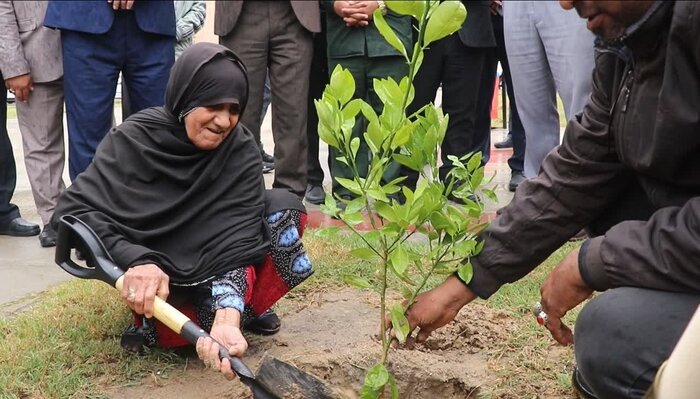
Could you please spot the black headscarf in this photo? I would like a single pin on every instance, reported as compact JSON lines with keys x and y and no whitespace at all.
{"x":152,"y":196}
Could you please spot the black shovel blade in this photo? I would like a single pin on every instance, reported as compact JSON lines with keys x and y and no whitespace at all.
{"x":283,"y":379}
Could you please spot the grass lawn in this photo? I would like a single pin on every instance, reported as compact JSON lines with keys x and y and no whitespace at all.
{"x":67,"y":345}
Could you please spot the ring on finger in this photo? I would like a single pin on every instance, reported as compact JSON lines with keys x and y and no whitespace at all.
{"x":540,"y":314}
{"x":131,"y":296}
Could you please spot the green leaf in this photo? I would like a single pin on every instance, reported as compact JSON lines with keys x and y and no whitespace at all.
{"x":342,"y":84}
{"x":377,"y":377}
{"x":388,"y":33}
{"x":327,"y":231}
{"x":357,"y":281}
{"x":354,"y":146}
{"x":474,"y":161}
{"x":394,"y":387}
{"x":364,"y":253}
{"x":403,"y":7}
{"x":354,"y":206}
{"x":385,"y":211}
{"x":465,"y":272}
{"x":399,"y":260}
{"x":351,"y":185}
{"x":377,"y":194}
{"x":445,"y":20}
{"x":399,"y":323}
{"x":389,"y":92}
{"x":353,"y":219}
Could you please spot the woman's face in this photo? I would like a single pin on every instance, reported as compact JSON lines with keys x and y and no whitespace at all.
{"x":208,"y":127}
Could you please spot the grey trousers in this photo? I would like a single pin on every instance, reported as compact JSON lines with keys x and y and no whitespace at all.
{"x":550,"y":51}
{"x":269,"y":36}
{"x":41,"y":125}
{"x":623,"y":336}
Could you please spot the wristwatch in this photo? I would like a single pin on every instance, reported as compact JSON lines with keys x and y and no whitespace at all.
{"x":382,"y":6}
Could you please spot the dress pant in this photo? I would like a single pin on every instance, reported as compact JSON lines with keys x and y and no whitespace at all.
{"x":268,"y":36}
{"x":318,"y":79}
{"x":91,"y":65}
{"x":459,"y":69}
{"x":8,"y":173}
{"x":364,"y":70}
{"x":623,"y":336}
{"x":41,"y":125}
{"x":550,"y":51}
{"x":483,"y":120}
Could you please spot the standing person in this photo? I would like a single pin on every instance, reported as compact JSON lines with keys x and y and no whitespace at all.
{"x":275,"y":36}
{"x":549,"y":51}
{"x":189,"y":19}
{"x":11,"y":223}
{"x":457,"y":62}
{"x":627,"y":169}
{"x":30,"y":60}
{"x":355,"y":43}
{"x":318,"y":79}
{"x":136,"y":38}
{"x":516,"y":133}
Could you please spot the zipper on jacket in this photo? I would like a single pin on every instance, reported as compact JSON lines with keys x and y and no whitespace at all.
{"x":629,"y":80}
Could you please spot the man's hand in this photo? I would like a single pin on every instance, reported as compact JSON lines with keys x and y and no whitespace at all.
{"x":495,"y":5}
{"x":437,"y":307}
{"x":355,"y":13}
{"x":225,"y":330}
{"x":563,"y":290}
{"x":121,"y":4}
{"x":21,"y":86}
{"x":141,"y":285}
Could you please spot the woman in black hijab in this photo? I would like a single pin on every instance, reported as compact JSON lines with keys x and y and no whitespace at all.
{"x":177,"y":197}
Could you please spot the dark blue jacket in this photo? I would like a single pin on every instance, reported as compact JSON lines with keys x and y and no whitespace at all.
{"x":96,"y":16}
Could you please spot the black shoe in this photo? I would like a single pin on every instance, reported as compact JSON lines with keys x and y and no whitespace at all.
{"x":268,"y":161}
{"x":505,"y":143}
{"x":19,"y":228}
{"x":267,"y":323}
{"x":47,"y":238}
{"x":315,"y":194}
{"x":515,"y":179}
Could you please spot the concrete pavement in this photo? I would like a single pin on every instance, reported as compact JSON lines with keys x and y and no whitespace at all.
{"x":26,"y":268}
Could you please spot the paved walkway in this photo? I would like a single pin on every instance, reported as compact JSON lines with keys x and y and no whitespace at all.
{"x":26,"y":268}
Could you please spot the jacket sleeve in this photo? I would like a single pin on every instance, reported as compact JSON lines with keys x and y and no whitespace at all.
{"x":576,"y":180}
{"x":12,"y":60}
{"x":192,"y":21}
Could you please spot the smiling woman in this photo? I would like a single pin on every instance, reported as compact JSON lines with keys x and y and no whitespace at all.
{"x":177,"y":197}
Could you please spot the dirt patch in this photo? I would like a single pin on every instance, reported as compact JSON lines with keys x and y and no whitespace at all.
{"x":333,"y":338}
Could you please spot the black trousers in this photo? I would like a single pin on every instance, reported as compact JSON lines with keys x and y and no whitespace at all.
{"x":459,"y":68}
{"x":318,"y":80}
{"x":8,"y":173}
{"x":623,"y":336}
{"x":483,"y":119}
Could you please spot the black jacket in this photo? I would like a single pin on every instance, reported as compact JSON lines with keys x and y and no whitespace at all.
{"x":641,"y":122}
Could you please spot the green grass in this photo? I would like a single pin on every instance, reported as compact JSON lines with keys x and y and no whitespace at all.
{"x":67,"y":344}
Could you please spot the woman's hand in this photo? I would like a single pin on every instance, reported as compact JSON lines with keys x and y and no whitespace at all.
{"x":141,"y":285}
{"x":225,"y":330}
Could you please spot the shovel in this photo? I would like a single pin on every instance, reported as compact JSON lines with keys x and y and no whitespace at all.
{"x":277,"y":378}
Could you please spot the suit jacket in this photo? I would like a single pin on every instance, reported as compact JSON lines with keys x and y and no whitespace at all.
{"x":26,"y":46}
{"x":96,"y":16}
{"x":477,"y":31}
{"x":227,"y":13}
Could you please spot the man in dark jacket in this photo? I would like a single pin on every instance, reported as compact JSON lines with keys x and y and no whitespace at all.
{"x":629,"y":170}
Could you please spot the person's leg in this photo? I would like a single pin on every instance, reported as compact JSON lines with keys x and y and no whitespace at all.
{"x":8,"y":173}
{"x":249,"y":39}
{"x":533,"y":84}
{"x":623,"y":336}
{"x":318,"y":78}
{"x":91,"y":66}
{"x":149,"y":58}
{"x":569,"y":48}
{"x":481,"y":141}
{"x":291,"y":51}
{"x":41,"y":124}
{"x":516,"y":131}
{"x":460,"y":93}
